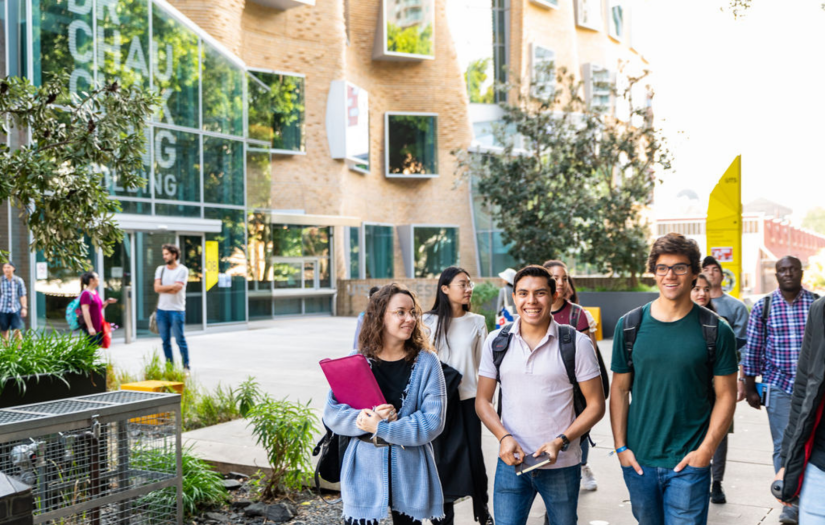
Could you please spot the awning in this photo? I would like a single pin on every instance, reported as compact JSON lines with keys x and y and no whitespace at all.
{"x":311,"y":220}
{"x":128,"y":221}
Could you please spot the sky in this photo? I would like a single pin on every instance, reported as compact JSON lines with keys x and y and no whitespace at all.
{"x":749,"y":86}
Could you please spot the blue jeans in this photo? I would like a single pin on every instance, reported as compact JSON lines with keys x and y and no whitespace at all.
{"x":171,"y":323}
{"x":663,"y":496}
{"x":513,"y":494}
{"x":811,"y":503}
{"x":779,"y":410}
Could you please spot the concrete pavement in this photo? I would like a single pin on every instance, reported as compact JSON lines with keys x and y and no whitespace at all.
{"x":283,"y":355}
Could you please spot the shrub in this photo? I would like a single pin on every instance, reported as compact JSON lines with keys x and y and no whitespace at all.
{"x":248,"y":395}
{"x":484,"y":294}
{"x":286,"y":430}
{"x":46,"y":354}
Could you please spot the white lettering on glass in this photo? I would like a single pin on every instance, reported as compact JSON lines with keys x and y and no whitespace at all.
{"x":74,"y":27}
{"x":166,"y":156}
{"x":103,"y":47}
{"x":136,"y":61}
{"x":80,"y":9}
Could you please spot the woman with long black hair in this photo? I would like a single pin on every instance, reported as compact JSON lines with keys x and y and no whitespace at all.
{"x":458,"y":336}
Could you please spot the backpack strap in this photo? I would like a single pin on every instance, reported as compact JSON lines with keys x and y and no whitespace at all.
{"x":575,"y":314}
{"x":567,"y":346}
{"x":630,"y":327}
{"x":710,"y":330}
{"x":500,"y":345}
{"x":766,"y":312}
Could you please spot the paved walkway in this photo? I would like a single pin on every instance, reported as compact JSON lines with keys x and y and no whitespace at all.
{"x":283,"y":355}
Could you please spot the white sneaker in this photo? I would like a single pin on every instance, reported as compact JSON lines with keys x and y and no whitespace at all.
{"x":588,"y":481}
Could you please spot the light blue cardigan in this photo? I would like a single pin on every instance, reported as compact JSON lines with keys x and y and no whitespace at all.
{"x":416,"y":489}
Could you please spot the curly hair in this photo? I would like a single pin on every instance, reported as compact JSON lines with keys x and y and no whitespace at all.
{"x":675,"y":244}
{"x":371,"y":339}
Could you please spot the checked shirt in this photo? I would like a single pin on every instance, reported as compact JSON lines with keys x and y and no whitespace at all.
{"x":775,"y":358}
{"x":10,"y":293}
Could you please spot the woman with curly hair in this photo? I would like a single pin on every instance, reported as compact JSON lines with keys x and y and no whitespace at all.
{"x":389,"y":463}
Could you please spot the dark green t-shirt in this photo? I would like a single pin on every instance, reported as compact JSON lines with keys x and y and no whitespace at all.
{"x":670,"y":406}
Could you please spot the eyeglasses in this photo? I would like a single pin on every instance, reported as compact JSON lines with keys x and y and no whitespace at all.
{"x":678,"y":269}
{"x":469,"y":285}
{"x":402,"y":315}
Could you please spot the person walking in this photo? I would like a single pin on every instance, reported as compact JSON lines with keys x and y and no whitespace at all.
{"x":92,"y":307}
{"x":803,"y":475}
{"x":389,"y":460}
{"x":505,"y":309}
{"x":170,"y":285}
{"x":569,"y":312}
{"x":537,"y":414}
{"x":458,"y":336}
{"x":13,"y":302}
{"x":775,"y":331}
{"x":679,"y":360}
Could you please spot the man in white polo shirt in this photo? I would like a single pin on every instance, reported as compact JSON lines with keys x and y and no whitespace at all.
{"x":538,"y":416}
{"x":170,"y":285}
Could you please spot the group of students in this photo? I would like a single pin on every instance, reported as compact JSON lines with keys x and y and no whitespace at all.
{"x":439,"y":372}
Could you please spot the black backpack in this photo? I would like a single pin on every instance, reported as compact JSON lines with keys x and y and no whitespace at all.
{"x":710,"y":328}
{"x":567,"y":346}
{"x":332,"y":448}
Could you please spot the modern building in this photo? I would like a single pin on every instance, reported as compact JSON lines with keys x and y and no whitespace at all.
{"x":300,"y":145}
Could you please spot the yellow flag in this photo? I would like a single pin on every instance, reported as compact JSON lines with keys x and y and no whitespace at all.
{"x":724,"y":226}
{"x":211,"y":264}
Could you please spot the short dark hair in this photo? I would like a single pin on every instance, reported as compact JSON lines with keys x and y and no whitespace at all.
{"x":675,"y":244}
{"x":10,"y":264}
{"x":710,"y":260}
{"x":173,"y":249}
{"x":534,"y":270}
{"x":374,"y":290}
{"x":793,"y":258}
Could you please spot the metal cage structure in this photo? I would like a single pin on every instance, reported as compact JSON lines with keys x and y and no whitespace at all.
{"x":103,"y":459}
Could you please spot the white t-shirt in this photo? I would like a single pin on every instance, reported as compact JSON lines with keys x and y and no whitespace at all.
{"x":175,"y":302}
{"x":466,"y":341}
{"x":537,"y":399}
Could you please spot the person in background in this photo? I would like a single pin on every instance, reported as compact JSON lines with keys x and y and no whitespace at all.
{"x":361,"y":318}
{"x":13,"y":302}
{"x":170,"y":285}
{"x":458,"y":336}
{"x":389,"y":462}
{"x":505,"y":303}
{"x":92,"y":307}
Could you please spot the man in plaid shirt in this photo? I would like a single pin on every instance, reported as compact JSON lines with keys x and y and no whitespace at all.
{"x":773,"y":350}
{"x":12,"y":302}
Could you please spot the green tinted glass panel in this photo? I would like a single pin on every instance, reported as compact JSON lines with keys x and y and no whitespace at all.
{"x":277,"y":110}
{"x":177,"y":210}
{"x":259,"y":246}
{"x":113,"y":181}
{"x":177,"y":165}
{"x":410,"y":26}
{"x":287,"y":240}
{"x":223,"y":171}
{"x":122,"y":42}
{"x":63,"y":40}
{"x":258,"y":179}
{"x":138,"y":208}
{"x":317,"y":305}
{"x":222,"y":93}
{"x":315,"y":241}
{"x":435,"y":250}
{"x":176,"y":75}
{"x":287,"y":306}
{"x":412,"y":144}
{"x":354,"y":253}
{"x":288,"y":275}
{"x":378,"y":252}
{"x":226,"y":301}
{"x":259,"y":109}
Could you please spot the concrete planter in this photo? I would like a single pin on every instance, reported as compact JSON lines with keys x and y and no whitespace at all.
{"x":614,"y":305}
{"x":51,"y":388}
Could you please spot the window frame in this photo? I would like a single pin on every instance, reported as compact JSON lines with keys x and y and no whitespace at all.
{"x":250,"y":71}
{"x":363,"y":254}
{"x":380,"y":49}
{"x":534,"y":63}
{"x":596,"y":25}
{"x":387,"y":173}
{"x":611,"y":29}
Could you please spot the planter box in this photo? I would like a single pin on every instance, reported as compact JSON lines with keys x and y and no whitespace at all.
{"x":50,"y":388}
{"x":614,"y":305}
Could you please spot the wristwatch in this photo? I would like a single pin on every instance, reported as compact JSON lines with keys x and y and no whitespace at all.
{"x":565,"y":442}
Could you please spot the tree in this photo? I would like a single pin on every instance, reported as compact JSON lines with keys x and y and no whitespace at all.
{"x":578,"y":184}
{"x":815,"y":220}
{"x":56,"y":180}
{"x":475,"y":77}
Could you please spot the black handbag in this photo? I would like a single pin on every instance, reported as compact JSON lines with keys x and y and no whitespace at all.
{"x":331,"y":447}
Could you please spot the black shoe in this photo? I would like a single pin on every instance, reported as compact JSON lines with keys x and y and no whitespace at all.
{"x":717,"y":495}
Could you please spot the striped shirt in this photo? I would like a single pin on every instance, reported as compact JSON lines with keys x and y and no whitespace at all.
{"x":11,"y":290}
{"x":775,"y":358}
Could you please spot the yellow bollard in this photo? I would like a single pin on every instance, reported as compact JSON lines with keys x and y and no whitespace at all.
{"x":596,"y":312}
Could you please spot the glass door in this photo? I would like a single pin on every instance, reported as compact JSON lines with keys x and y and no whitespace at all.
{"x":148,"y":256}
{"x":191,"y":247}
{"x":117,"y":274}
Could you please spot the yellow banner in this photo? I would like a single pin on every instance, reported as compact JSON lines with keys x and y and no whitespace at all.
{"x":724,"y":226}
{"x":211,"y":264}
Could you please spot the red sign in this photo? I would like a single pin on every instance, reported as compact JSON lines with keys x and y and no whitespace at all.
{"x":724,"y":254}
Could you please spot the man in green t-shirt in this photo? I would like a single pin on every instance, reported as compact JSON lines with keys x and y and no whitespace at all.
{"x":666,"y":437}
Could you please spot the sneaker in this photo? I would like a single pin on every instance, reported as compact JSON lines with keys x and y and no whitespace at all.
{"x":186,"y":371}
{"x":588,"y":480}
{"x":789,"y":515}
{"x":717,"y":495}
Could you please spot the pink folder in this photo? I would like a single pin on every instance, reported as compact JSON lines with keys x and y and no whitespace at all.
{"x":352,"y":381}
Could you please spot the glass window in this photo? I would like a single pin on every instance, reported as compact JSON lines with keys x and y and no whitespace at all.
{"x":409,"y":28}
{"x":315,"y":241}
{"x":354,"y":239}
{"x":317,"y":305}
{"x":260,"y":307}
{"x":288,"y":307}
{"x":112,"y":180}
{"x":434,"y":249}
{"x":501,"y":45}
{"x":177,"y":165}
{"x":471,"y":25}
{"x":277,"y":111}
{"x":259,"y":248}
{"x":589,"y":14}
{"x":379,"y":252}
{"x":258,"y":179}
{"x":226,"y":301}
{"x":63,"y":40}
{"x":177,"y":210}
{"x":543,"y":72}
{"x":176,"y":74}
{"x":122,"y":41}
{"x":60,"y":286}
{"x":223,"y":171}
{"x":287,"y":240}
{"x":222,"y":93}
{"x":616,"y":20}
{"x":412,"y":145}
{"x":288,"y":275}
{"x":136,"y":207}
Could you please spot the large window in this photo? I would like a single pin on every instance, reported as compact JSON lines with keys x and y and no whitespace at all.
{"x":501,"y":45}
{"x":277,"y":111}
{"x":226,"y":299}
{"x":543,"y":72}
{"x":616,"y":23}
{"x":597,"y":87}
{"x":589,"y":14}
{"x":471,"y":26}
{"x":222,"y":92}
{"x":435,"y":249}
{"x":379,"y":251}
{"x":493,"y":255}
{"x":258,"y":179}
{"x":177,"y":166}
{"x":176,"y":73}
{"x":223,"y":172}
{"x":411,"y":144}
{"x":408,"y":30}
{"x":301,"y":256}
